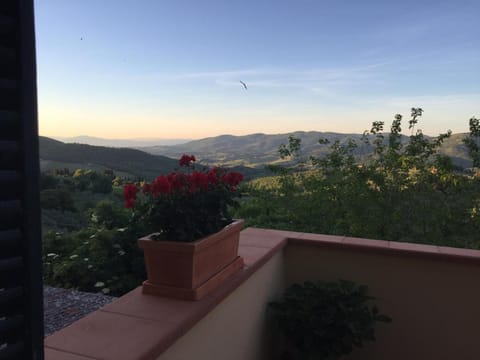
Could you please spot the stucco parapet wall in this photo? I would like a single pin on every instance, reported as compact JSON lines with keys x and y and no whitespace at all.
{"x":138,"y":326}
{"x":395,"y":248}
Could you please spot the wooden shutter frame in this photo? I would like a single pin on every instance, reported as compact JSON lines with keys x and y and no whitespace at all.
{"x":32,"y":250}
{"x":28,"y":236}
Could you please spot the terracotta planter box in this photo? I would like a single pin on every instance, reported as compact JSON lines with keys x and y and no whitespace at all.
{"x":191,"y":270}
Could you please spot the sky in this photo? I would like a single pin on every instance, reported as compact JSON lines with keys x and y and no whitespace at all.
{"x":172,"y":69}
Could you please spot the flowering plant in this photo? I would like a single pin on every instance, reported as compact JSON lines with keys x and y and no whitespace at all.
{"x":186,"y":204}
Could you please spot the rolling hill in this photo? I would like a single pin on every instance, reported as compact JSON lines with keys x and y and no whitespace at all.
{"x":255,"y":150}
{"x":247,"y":150}
{"x":123,"y":161}
{"x":247,"y":154}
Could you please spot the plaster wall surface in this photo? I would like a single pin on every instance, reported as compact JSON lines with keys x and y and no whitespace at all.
{"x":236,"y":328}
{"x":434,"y":303}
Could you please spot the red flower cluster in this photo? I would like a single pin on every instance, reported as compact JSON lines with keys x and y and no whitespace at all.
{"x":161,"y":185}
{"x":130,"y":195}
{"x":191,"y":183}
{"x":185,"y":160}
{"x":232,"y":179}
{"x":184,"y":184}
{"x":186,"y":204}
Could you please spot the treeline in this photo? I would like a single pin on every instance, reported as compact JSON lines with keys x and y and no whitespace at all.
{"x":132,"y":161}
{"x":405,"y":191}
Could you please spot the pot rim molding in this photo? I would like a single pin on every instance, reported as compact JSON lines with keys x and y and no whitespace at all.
{"x":194,"y":246}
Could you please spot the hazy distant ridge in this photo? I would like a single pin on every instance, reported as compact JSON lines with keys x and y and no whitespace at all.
{"x":253,"y":150}
{"x":257,"y":149}
{"x":246,"y":149}
{"x":131,"y":143}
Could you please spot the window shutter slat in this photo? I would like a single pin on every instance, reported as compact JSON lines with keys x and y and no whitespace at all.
{"x":9,"y":295}
{"x":10,"y":325}
{"x":9,"y":243}
{"x":12,"y":351}
{"x":9,"y":154}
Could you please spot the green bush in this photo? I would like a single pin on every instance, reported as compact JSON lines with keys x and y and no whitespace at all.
{"x":102,"y":257}
{"x":406,"y":191}
{"x":324,"y":320}
{"x":60,"y":199}
{"x":94,"y":260}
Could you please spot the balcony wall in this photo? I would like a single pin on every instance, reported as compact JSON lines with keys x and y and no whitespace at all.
{"x":433,"y":298}
{"x":431,"y":293}
{"x":236,"y":328}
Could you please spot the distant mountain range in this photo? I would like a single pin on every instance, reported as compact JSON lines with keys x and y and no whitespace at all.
{"x":258,"y":149}
{"x":247,"y":154}
{"x":122,"y":143}
{"x":125,"y":162}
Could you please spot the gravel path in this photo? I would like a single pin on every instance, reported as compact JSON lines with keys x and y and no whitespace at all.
{"x":63,"y":306}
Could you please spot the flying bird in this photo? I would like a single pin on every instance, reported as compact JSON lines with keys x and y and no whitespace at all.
{"x":244,"y":85}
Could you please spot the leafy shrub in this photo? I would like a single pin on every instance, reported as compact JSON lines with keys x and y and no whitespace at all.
{"x":60,"y":199}
{"x":405,"y":191}
{"x":94,"y":260}
{"x":102,"y":256}
{"x":325,"y":320}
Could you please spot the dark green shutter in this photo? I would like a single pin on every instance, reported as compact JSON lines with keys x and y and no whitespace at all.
{"x":21,"y":305}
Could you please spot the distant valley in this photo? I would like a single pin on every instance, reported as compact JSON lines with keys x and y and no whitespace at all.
{"x":258,"y":149}
{"x":247,"y":154}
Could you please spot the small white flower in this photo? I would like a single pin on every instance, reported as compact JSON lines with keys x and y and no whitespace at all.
{"x":99,"y":284}
{"x":74,"y":256}
{"x":121,"y":253}
{"x":90,"y":266}
{"x":85,"y":259}
{"x":51,"y":254}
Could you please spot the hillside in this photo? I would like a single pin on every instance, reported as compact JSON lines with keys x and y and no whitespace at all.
{"x":258,"y":149}
{"x":247,"y":150}
{"x":123,"y":161}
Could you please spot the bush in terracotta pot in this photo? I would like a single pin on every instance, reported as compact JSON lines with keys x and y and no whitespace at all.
{"x":186,"y":204}
{"x":193,"y":239}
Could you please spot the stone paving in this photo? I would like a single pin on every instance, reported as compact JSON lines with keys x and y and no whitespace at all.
{"x":64,"y":306}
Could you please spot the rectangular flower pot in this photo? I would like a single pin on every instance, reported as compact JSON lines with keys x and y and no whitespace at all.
{"x":191,"y":270}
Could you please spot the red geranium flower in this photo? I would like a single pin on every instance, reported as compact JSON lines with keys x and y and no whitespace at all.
{"x":177,"y":180}
{"x":185,"y":160}
{"x":213,"y":176}
{"x":161,"y":185}
{"x":130,"y":195}
{"x":146,"y":188}
{"x":198,"y":180}
{"x":232,"y":178}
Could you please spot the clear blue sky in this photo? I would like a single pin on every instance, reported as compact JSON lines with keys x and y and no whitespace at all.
{"x":171,"y":69}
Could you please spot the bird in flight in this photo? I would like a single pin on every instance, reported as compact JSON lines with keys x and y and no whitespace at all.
{"x":244,"y":85}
